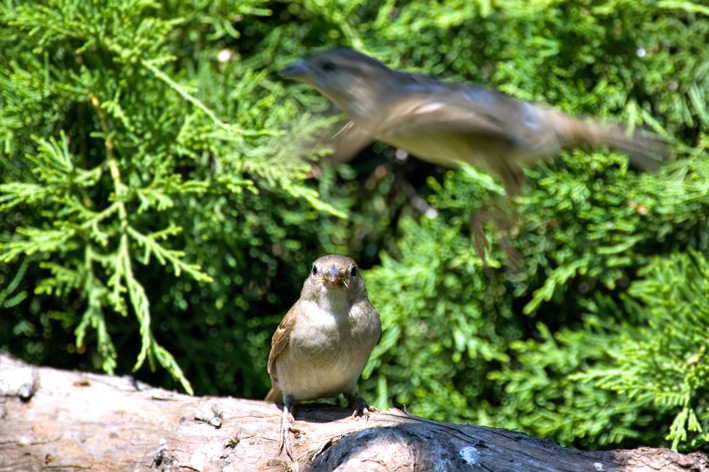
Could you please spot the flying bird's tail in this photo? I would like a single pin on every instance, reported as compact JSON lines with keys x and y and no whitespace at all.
{"x":644,"y":150}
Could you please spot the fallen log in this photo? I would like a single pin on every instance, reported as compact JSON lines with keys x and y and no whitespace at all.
{"x":69,"y":421}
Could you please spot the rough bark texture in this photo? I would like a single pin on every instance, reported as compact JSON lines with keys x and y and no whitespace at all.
{"x":66,"y":421}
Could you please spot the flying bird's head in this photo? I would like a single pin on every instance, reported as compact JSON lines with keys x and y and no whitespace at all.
{"x":351,"y":80}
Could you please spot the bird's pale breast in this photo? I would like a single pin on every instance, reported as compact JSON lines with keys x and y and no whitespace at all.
{"x":327,"y":351}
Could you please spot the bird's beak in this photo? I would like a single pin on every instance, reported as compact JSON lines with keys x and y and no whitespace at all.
{"x":333,"y":273}
{"x":332,"y":277}
{"x":297,"y":71}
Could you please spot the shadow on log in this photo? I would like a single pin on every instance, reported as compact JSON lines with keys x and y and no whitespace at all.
{"x":70,"y":421}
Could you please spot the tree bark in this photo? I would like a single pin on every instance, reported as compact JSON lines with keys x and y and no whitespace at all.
{"x":70,"y":421}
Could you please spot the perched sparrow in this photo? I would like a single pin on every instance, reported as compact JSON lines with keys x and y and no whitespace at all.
{"x":323,"y":343}
{"x":448,"y":123}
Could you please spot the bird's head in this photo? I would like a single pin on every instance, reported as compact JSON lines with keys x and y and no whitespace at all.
{"x":351,"y":80}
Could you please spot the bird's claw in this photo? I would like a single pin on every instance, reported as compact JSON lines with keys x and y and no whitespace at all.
{"x":360,"y":407}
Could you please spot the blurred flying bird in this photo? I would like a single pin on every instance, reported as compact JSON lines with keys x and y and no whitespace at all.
{"x":449,"y":123}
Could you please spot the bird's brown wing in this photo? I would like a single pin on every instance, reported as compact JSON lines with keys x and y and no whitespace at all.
{"x":446,"y":127}
{"x":442,"y":107}
{"x":380,"y":329}
{"x":530,"y":130}
{"x":349,"y":141}
{"x":280,"y":340}
{"x":481,"y":114}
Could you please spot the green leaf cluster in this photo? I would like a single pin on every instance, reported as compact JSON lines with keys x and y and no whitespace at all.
{"x":161,"y":201}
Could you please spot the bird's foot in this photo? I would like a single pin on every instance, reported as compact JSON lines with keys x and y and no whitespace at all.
{"x":287,"y":420}
{"x":360,"y":407}
{"x":477,"y":232}
{"x":503,"y":214}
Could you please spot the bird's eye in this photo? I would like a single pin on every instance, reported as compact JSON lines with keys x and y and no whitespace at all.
{"x":353,"y":271}
{"x":327,"y":65}
{"x":314,"y":272}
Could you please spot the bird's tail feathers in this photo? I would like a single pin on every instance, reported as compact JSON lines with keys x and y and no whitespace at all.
{"x":274,"y":395}
{"x":645,"y":150}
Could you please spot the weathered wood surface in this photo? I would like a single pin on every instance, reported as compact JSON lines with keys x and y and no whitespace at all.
{"x":72,"y":421}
